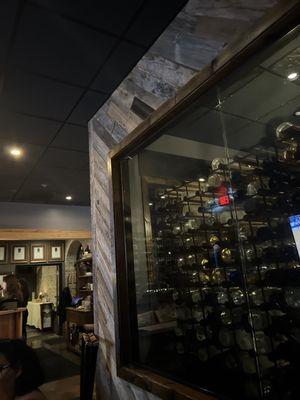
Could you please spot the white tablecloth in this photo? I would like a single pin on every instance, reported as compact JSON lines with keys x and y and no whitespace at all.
{"x":34,"y":314}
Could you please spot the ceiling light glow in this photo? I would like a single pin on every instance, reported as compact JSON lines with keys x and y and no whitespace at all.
{"x":297,"y":113}
{"x":69,"y":197}
{"x":15,"y":152}
{"x":292,"y":76}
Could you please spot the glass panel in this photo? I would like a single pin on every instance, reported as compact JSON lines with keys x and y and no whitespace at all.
{"x":212,"y":212}
{"x":263,"y":166}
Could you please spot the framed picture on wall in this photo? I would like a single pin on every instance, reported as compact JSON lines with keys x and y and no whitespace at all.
{"x":3,"y":253}
{"x":19,"y":253}
{"x":38,"y":252}
{"x":56,"y":252}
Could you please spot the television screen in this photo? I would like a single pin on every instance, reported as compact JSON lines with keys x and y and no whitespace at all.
{"x":295,"y":225}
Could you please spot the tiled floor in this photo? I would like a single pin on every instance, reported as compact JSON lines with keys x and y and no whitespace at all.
{"x":65,"y":388}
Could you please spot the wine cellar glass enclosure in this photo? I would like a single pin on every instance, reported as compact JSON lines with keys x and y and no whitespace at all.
{"x":210,"y":208}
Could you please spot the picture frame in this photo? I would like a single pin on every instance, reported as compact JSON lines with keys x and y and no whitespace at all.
{"x":56,"y":252}
{"x":19,"y":253}
{"x":38,"y":253}
{"x":3,"y":253}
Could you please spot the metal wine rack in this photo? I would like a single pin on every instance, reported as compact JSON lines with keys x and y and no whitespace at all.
{"x":230,"y":271}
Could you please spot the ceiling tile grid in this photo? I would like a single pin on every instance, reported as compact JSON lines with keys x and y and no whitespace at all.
{"x":59,"y":64}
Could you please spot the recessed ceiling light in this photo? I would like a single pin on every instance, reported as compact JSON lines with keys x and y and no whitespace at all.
{"x":297,"y":113}
{"x":16,"y":152}
{"x":69,"y":197}
{"x":292,"y":76}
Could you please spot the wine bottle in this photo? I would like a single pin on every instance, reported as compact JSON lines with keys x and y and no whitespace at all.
{"x":87,"y":250}
{"x":287,"y":131}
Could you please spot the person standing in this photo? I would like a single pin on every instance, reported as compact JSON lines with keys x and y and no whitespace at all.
{"x":25,"y":294}
{"x":13,"y":297}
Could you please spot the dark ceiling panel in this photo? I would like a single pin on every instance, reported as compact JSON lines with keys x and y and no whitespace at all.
{"x":123,"y":59}
{"x":88,"y":106}
{"x":112,"y":16}
{"x":245,"y":102}
{"x":284,"y":112}
{"x":6,"y":195}
{"x":22,"y":166}
{"x":72,"y":137}
{"x":199,"y":129}
{"x":152,"y":20}
{"x":7,"y":16}
{"x":61,"y":49}
{"x":53,"y":184}
{"x":50,"y":52}
{"x":9,"y":185}
{"x":18,"y":128}
{"x":30,"y":94}
{"x":68,"y":159}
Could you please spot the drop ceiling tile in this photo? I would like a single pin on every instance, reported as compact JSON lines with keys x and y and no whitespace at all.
{"x":247,"y":136}
{"x":59,"y":179}
{"x":10,"y":184}
{"x":57,"y":183}
{"x":72,"y":137}
{"x":58,"y":48}
{"x":33,"y":195}
{"x":152,"y":20}
{"x":8,"y":9}
{"x":117,"y":67}
{"x":189,"y":117}
{"x":10,"y":181}
{"x":87,"y":107}
{"x":288,"y":64}
{"x":283,"y":49}
{"x":112,"y":16}
{"x":207,"y":128}
{"x":27,"y":93}
{"x":284,"y":112}
{"x":67,"y":159}
{"x":247,"y":101}
{"x":22,"y":166}
{"x":5,"y":196}
{"x":78,"y":199}
{"x":19,"y":128}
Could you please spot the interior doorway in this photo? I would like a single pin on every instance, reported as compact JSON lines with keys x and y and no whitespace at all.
{"x":44,"y":281}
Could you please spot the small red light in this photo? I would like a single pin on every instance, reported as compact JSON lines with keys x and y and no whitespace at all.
{"x":224,"y":200}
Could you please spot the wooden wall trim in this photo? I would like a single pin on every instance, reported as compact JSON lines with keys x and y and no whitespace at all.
{"x":42,"y":234}
{"x":164,"y":388}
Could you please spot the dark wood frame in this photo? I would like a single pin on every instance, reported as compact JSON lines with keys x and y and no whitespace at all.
{"x":32,"y":259}
{"x":281,"y":20}
{"x":62,"y":249}
{"x":5,"y":245}
{"x":23,"y":261}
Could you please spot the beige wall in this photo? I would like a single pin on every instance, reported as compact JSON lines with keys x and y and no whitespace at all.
{"x":47,"y":281}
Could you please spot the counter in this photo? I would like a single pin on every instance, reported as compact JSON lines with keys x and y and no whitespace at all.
{"x":78,"y":321}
